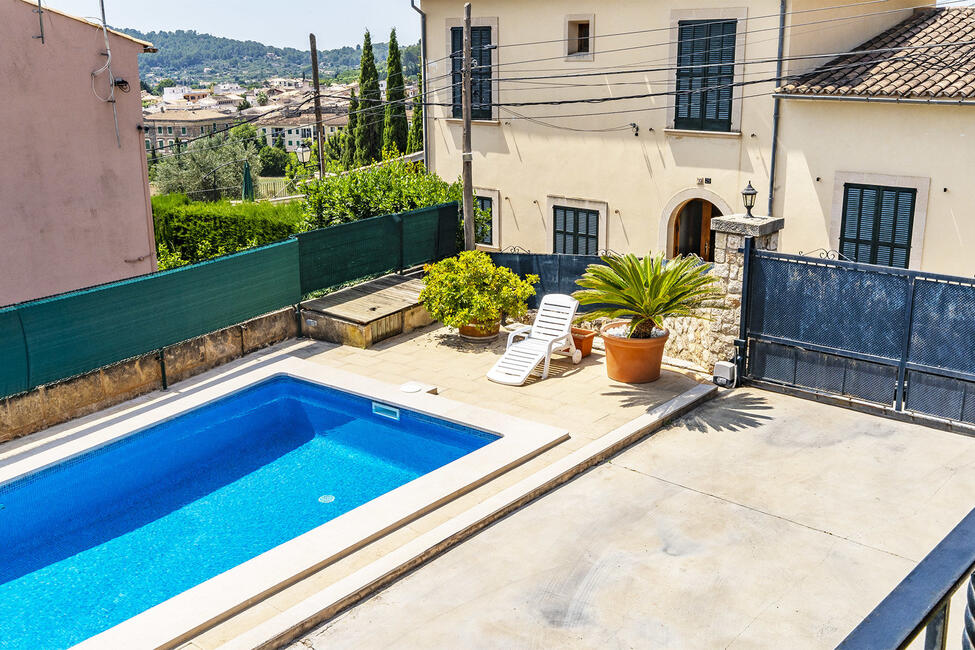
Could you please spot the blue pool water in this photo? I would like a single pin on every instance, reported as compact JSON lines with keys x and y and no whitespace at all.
{"x":97,"y":539}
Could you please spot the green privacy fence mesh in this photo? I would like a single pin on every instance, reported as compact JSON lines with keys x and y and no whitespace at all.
{"x":76,"y":332}
{"x":66,"y":335}
{"x":13,"y":353}
{"x":392,"y":242}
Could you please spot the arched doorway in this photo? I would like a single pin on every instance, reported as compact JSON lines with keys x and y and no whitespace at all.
{"x":692,"y":233}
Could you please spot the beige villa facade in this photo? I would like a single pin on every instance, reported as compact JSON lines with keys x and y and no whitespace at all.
{"x":647,"y":173}
{"x":895,"y":141}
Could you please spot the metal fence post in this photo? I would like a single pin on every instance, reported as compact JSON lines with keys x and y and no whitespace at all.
{"x":905,"y":347}
{"x":162,"y":367}
{"x":934,"y":635}
{"x":402,"y":244}
{"x":968,"y":635}
{"x":741,"y":343}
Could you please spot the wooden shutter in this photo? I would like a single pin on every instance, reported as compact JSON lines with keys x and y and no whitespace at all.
{"x":877,"y":224}
{"x":481,"y":91}
{"x":456,"y":70}
{"x":705,"y":74}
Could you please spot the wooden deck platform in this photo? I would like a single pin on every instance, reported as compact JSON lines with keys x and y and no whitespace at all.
{"x":366,"y":313}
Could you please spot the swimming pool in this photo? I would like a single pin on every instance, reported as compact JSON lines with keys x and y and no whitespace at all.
{"x":273,"y":464}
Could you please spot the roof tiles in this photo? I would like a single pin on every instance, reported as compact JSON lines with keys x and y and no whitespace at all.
{"x":923,"y":72}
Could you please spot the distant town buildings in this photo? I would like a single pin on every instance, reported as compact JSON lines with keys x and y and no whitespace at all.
{"x":163,"y":130}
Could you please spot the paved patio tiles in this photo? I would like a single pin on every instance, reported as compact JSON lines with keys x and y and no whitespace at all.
{"x":580,"y":398}
{"x":756,"y":521}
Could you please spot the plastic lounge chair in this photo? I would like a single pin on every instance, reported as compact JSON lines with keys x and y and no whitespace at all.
{"x":551,"y":332}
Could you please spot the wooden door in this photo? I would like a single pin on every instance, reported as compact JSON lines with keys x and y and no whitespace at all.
{"x":705,"y":230}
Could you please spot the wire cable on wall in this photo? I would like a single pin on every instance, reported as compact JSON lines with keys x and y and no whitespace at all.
{"x":107,"y":68}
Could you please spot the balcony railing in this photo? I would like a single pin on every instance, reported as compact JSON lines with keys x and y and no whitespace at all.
{"x":920,"y":601}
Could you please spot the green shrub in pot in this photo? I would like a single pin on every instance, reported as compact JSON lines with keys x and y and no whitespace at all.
{"x":641,"y":293}
{"x":470,"y":289}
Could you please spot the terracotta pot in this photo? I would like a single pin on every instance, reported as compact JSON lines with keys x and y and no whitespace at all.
{"x":632,"y":361}
{"x":583,"y":340}
{"x":480,"y":331}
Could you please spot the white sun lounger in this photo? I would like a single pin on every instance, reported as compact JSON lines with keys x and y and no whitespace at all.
{"x":551,"y":332}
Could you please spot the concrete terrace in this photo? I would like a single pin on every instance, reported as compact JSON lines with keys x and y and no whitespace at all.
{"x":756,"y":521}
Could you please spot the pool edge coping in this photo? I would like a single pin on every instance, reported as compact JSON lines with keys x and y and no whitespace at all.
{"x":379,"y":574}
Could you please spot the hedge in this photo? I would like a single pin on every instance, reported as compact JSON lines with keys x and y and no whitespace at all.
{"x":191,"y":231}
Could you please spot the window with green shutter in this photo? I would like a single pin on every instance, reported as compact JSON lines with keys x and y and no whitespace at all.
{"x":485,"y":231}
{"x":877,"y":224}
{"x":705,"y":74}
{"x":480,"y":71}
{"x":576,"y":231}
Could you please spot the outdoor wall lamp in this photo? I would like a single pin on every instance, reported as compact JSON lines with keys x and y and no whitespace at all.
{"x":748,"y":198}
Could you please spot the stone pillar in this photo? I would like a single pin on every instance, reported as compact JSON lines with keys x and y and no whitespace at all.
{"x":705,"y":342}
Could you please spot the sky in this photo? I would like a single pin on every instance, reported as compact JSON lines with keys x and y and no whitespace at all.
{"x":283,"y":23}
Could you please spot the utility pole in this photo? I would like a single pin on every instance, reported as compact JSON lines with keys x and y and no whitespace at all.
{"x":319,"y":128}
{"x":467,"y":155}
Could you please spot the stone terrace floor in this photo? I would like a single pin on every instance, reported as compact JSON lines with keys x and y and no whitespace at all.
{"x":757,"y":520}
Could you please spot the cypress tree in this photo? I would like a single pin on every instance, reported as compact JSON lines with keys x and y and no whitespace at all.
{"x":369,"y":125}
{"x":415,"y":140}
{"x":348,"y":150}
{"x":395,"y":126}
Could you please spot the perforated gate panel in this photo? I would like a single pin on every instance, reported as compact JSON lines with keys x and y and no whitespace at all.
{"x":849,"y":329}
{"x":824,"y":304}
{"x":943,"y":328}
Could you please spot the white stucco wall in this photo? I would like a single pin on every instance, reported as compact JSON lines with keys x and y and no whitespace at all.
{"x":927,"y":147}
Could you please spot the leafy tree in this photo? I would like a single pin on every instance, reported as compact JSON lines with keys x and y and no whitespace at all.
{"x":165,"y":83}
{"x":262,"y":98}
{"x":368,"y":127}
{"x":209,"y":169}
{"x":334,"y":147}
{"x":248,"y":133}
{"x":348,"y":151}
{"x":274,"y":161}
{"x":243,"y":105}
{"x":415,"y":140}
{"x":395,"y":125}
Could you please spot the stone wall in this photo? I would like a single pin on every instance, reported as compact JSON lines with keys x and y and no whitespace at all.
{"x":65,"y":400}
{"x":705,"y":342}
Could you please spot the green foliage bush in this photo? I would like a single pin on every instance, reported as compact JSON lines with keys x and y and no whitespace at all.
{"x":470,"y":289}
{"x":192,"y":231}
{"x":394,"y":186}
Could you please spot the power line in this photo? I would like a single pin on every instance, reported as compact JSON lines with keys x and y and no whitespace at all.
{"x":744,"y":32}
{"x":661,"y":29}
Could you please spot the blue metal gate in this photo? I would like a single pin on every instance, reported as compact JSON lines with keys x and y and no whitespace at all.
{"x":898,"y":338}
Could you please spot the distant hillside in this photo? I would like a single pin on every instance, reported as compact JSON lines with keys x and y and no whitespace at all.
{"x":191,"y":57}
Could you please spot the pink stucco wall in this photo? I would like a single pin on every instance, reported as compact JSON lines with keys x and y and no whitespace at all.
{"x":74,"y":207}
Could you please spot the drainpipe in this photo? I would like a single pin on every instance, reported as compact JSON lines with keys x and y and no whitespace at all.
{"x":775,"y":110}
{"x":423,"y":88}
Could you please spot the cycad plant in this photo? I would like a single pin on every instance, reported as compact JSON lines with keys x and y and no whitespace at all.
{"x":649,"y":290}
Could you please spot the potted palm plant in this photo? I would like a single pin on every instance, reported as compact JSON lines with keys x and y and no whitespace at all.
{"x":639,"y":295}
{"x":471,"y":293}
